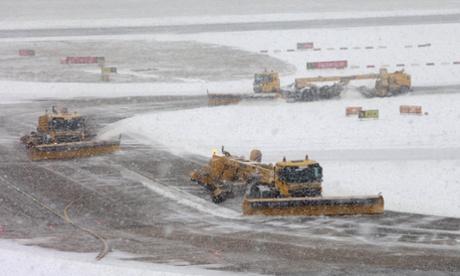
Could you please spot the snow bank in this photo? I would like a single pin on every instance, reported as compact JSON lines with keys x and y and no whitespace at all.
{"x":20,"y":260}
{"x":427,"y":187}
{"x":316,"y":126}
{"x":410,"y":183}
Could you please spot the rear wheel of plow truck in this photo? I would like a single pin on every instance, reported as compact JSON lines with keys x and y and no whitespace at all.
{"x":404,"y":90}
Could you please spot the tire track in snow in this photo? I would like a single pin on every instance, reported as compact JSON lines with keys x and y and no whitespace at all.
{"x":181,"y":197}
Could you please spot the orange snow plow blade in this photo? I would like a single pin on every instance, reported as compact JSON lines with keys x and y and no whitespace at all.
{"x":72,"y":150}
{"x":228,"y":99}
{"x":223,"y":99}
{"x":313,"y":206}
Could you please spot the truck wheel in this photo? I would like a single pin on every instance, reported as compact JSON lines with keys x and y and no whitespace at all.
{"x":254,"y":191}
{"x":404,"y":89}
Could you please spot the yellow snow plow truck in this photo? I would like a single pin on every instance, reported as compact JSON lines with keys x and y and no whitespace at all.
{"x":266,"y":86}
{"x":287,"y":188}
{"x":61,"y":135}
{"x":306,"y":89}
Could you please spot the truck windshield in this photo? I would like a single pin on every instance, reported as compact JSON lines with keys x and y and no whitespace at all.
{"x":61,"y":124}
{"x":301,"y":174}
{"x":260,"y":78}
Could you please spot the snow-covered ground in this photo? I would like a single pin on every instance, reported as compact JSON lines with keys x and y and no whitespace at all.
{"x":16,"y":259}
{"x":424,"y":184}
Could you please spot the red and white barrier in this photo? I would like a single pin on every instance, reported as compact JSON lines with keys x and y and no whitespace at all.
{"x":304,"y":45}
{"x":424,"y":45}
{"x":82,"y":60}
{"x":26,"y":53}
{"x":336,"y":64}
{"x":353,"y":110}
{"x":410,"y":109}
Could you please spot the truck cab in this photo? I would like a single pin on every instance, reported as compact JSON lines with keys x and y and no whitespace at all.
{"x":58,"y":126}
{"x":266,"y":82}
{"x":298,"y":178}
{"x":389,"y":84}
{"x":62,"y":126}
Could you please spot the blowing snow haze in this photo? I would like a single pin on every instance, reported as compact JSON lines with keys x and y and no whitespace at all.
{"x":215,"y":137}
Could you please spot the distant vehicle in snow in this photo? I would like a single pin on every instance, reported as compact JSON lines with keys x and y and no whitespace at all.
{"x":61,"y":135}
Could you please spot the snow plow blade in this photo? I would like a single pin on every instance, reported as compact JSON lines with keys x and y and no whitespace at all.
{"x":72,"y":150}
{"x":223,"y":99}
{"x":228,"y":99}
{"x":313,"y":206}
